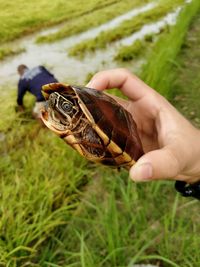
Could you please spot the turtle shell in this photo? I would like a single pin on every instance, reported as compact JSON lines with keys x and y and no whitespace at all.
{"x":98,"y":128}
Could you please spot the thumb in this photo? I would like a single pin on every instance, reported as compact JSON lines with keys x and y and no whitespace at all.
{"x":157,"y":164}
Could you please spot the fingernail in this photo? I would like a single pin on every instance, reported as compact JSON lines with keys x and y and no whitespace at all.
{"x":143,"y":172}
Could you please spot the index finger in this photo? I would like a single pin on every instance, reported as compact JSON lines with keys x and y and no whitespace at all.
{"x":128,"y":83}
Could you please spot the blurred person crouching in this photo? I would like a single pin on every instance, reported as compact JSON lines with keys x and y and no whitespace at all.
{"x":32,"y":80}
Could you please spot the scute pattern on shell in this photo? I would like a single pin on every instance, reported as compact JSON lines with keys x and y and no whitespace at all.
{"x":113,"y":119}
{"x":112,"y":132}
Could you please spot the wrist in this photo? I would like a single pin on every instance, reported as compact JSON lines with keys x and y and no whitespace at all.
{"x":190,"y":186}
{"x":198,"y":153}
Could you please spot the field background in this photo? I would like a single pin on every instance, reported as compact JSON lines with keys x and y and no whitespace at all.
{"x":56,"y":208}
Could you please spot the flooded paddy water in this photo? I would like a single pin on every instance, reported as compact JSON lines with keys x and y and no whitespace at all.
{"x":70,"y":69}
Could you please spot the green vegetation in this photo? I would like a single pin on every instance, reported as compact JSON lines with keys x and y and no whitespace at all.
{"x":27,"y":19}
{"x":22,"y":17}
{"x":186,"y":78}
{"x":92,"y":19}
{"x":7,"y":51}
{"x":157,"y":71}
{"x":39,"y":184}
{"x":115,"y":226}
{"x":19,"y":18}
{"x":137,"y":49}
{"x":125,"y":29}
{"x":59,"y":210}
{"x":141,"y":47}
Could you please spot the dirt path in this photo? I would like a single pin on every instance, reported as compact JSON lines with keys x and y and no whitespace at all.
{"x":187,"y":83}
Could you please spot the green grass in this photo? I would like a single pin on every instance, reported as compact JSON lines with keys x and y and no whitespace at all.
{"x":134,"y":51}
{"x":186,"y":78}
{"x":39,"y":184}
{"x":125,"y":29}
{"x":140,"y":48}
{"x":121,"y":223}
{"x":92,"y":19}
{"x":30,"y":17}
{"x":22,"y":17}
{"x":7,"y":51}
{"x":157,"y":70}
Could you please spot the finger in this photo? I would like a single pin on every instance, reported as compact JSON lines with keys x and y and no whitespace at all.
{"x":129,"y":84}
{"x":155,"y":165}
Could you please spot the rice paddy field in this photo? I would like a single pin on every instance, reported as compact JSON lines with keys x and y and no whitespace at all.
{"x":56,"y":208}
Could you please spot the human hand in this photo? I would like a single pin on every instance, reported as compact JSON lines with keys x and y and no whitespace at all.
{"x":170,"y":142}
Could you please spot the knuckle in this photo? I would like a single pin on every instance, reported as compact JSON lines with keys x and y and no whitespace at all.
{"x":125,"y":71}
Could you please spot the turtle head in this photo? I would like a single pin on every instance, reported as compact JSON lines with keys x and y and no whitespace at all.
{"x":59,"y":110}
{"x":50,"y":88}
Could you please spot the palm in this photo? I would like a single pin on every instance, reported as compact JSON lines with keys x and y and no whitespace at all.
{"x":141,"y":111}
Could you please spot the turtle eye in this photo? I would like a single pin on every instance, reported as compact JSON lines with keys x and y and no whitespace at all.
{"x":66,"y":106}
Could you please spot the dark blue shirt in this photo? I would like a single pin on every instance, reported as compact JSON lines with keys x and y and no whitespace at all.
{"x":32,"y":81}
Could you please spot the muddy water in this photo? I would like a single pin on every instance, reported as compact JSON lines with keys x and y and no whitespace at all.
{"x":154,"y":28}
{"x":69,"y":69}
{"x":55,"y":57}
{"x":92,"y":33}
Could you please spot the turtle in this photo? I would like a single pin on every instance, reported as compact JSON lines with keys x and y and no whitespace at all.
{"x":93,"y":123}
